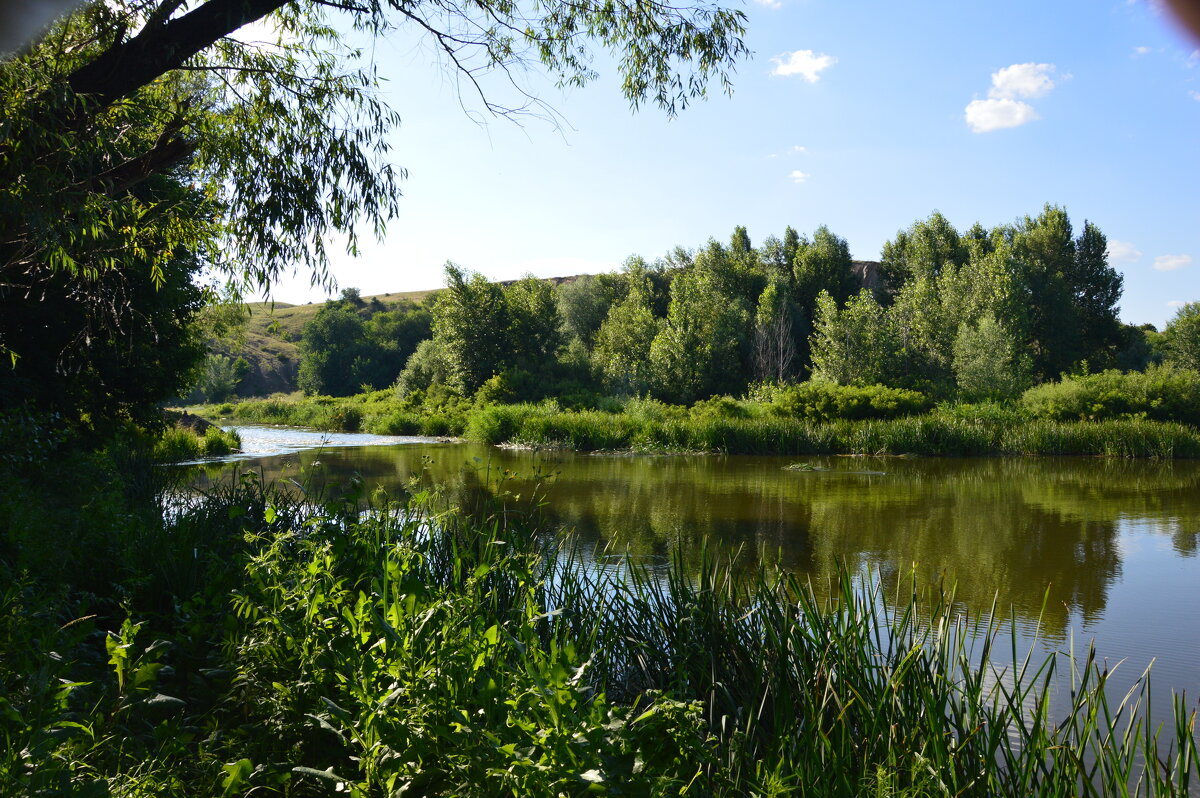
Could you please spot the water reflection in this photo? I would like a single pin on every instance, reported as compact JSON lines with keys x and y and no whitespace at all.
{"x":1108,"y":548}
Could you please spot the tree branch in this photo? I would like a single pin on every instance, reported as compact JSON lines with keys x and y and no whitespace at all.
{"x":127,"y":66}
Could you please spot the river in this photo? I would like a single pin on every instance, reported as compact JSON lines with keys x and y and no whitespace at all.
{"x":1076,"y":548}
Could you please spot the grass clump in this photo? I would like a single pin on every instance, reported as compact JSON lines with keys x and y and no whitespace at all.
{"x":178,"y":443}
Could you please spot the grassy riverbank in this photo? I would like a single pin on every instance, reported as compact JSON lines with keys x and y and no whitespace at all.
{"x":176,"y":444}
{"x":267,"y":647}
{"x":736,"y":427}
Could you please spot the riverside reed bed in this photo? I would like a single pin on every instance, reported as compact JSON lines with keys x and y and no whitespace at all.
{"x":288,"y":645}
{"x":735,"y":427}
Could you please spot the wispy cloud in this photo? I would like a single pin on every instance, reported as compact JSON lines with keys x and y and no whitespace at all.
{"x":806,"y":64}
{"x":1141,"y":50}
{"x":1195,"y":95}
{"x":1176,"y":303}
{"x":1123,"y":252}
{"x":1169,"y":263}
{"x":770,"y":3}
{"x":798,"y":176}
{"x":1005,"y":106}
{"x":795,"y":149}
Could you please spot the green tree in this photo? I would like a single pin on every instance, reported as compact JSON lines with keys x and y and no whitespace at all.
{"x":1182,"y":337}
{"x":1138,"y":348}
{"x":534,"y":325}
{"x":856,"y":344}
{"x":584,"y":302}
{"x":471,"y":325}
{"x":109,"y":347}
{"x":390,"y":339}
{"x":929,"y":310}
{"x":428,"y":366}
{"x":989,"y":361}
{"x":699,"y":349}
{"x":622,"y":350}
{"x":774,"y":336}
{"x":776,"y":260}
{"x":1070,"y":289}
{"x":332,"y":349}
{"x":219,"y":378}
{"x":922,"y":250}
{"x":1096,"y":289}
{"x":823,"y":264}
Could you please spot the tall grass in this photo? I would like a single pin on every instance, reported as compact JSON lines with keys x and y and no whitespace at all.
{"x":747,"y":427}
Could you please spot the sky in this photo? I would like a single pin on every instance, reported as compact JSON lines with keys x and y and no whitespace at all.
{"x":863,"y":116}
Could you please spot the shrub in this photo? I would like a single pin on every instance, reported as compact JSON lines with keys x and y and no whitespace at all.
{"x":824,"y":401}
{"x":719,"y":407}
{"x":1161,"y":393}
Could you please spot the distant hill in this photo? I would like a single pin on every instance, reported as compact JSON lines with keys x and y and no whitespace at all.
{"x":272,"y":336}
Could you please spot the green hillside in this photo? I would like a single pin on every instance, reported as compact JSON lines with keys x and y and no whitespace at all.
{"x":270,"y":340}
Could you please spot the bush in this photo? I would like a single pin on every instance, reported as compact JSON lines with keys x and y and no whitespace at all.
{"x":719,"y":407}
{"x":1161,"y":393}
{"x":824,"y":401}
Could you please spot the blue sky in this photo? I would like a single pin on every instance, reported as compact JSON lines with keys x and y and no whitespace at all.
{"x":862,"y":116}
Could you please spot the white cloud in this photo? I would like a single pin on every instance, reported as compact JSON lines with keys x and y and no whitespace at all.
{"x":986,"y":115}
{"x":1140,"y":50}
{"x":770,"y":3}
{"x":1195,"y":95}
{"x":1176,"y":303}
{"x":798,"y":176}
{"x":1193,"y":59}
{"x":1169,"y":263}
{"x":1022,"y":80}
{"x":807,"y":64}
{"x":1003,"y":108}
{"x":1122,"y":252}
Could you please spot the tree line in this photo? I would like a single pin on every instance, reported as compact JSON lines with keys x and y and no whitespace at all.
{"x":975,"y":314}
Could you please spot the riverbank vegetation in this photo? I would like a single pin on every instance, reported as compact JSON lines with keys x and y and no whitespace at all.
{"x":262,"y":644}
{"x":1001,"y":341}
{"x":1109,"y":414}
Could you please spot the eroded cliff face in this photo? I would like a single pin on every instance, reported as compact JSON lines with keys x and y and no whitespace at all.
{"x":867,"y":271}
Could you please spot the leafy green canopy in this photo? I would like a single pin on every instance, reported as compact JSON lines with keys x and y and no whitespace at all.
{"x":286,"y":138}
{"x":141,"y":141}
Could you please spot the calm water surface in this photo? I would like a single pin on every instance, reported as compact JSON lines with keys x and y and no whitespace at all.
{"x":1108,"y":548}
